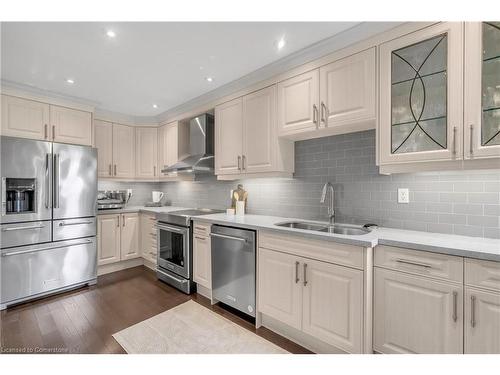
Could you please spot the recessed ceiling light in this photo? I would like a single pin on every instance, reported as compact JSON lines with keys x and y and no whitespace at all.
{"x":281,"y":43}
{"x":70,"y":81}
{"x":209,"y":79}
{"x":110,"y":33}
{"x":155,"y":105}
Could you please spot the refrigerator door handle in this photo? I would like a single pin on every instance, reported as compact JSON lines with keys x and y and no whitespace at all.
{"x":47,"y":180}
{"x":56,"y":181}
{"x":4,"y":196}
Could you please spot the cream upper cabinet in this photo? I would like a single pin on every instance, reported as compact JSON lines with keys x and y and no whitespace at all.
{"x":123,"y":151}
{"x":25,"y":118}
{"x":104,"y":143}
{"x":298,"y":104}
{"x":172,"y":144}
{"x":280,"y":287}
{"x":202,"y":260}
{"x":348,"y":90}
{"x":482,"y":321}
{"x":129,"y":245}
{"x":482,"y":90}
{"x":71,"y":126}
{"x":333,"y":304}
{"x":414,"y":314}
{"x":229,"y":137}
{"x":421,"y":94}
{"x":259,"y":131}
{"x":108,"y":239}
{"x":146,"y":152}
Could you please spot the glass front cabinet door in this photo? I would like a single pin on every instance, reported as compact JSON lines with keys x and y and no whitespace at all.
{"x":482,"y":90}
{"x":421,"y":93}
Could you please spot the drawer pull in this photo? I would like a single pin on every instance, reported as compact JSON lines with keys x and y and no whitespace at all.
{"x":63,"y":224}
{"x":473,"y":311}
{"x":23,"y":228}
{"x":418,"y":264}
{"x":200,"y":238}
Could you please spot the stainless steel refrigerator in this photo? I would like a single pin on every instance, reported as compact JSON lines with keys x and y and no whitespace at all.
{"x":48,"y":218}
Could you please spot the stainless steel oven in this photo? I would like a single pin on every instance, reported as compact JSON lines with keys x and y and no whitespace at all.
{"x":174,"y":249}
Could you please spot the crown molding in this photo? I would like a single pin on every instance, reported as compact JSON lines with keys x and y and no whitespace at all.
{"x":315,"y":51}
{"x":121,"y":118}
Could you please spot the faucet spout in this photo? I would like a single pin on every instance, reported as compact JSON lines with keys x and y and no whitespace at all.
{"x":328,"y":190}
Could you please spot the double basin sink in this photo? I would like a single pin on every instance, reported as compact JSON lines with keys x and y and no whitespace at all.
{"x":345,"y":229}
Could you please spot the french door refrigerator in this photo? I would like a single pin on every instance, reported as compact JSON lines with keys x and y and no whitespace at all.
{"x":48,"y":218}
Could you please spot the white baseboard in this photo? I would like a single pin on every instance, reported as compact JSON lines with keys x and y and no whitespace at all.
{"x":118,"y":266}
{"x":205,"y":292}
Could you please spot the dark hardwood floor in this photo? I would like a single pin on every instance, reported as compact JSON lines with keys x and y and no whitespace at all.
{"x":83,"y":320}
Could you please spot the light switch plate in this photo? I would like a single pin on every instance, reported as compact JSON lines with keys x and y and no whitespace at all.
{"x":403,"y":195}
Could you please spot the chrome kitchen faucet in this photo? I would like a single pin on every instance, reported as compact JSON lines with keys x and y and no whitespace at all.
{"x":328,"y":188}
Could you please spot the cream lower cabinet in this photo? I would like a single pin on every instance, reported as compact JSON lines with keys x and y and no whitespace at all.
{"x":414,"y":314}
{"x":202,"y":255}
{"x":321,"y":299}
{"x":482,"y":307}
{"x":117,"y":238}
{"x":148,"y":238}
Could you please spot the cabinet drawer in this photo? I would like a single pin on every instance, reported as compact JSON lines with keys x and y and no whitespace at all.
{"x":201,"y":229}
{"x":420,"y":262}
{"x":482,"y":273}
{"x":328,"y":251}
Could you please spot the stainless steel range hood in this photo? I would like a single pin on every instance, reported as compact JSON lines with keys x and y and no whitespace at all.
{"x":201,"y":147}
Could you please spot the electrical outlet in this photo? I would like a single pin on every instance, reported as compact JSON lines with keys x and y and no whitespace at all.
{"x":403,"y":195}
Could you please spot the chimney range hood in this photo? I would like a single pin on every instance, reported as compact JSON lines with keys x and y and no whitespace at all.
{"x":201,"y":147}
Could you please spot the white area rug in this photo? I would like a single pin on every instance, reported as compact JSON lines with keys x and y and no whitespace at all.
{"x":192,"y":329}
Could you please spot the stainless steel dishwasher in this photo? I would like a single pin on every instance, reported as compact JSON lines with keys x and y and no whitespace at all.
{"x":233,"y":267}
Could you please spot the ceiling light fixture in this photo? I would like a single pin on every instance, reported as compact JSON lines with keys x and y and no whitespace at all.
{"x":155,"y":105}
{"x":110,"y":33}
{"x":70,"y":81}
{"x":209,"y":79}
{"x":281,"y":43}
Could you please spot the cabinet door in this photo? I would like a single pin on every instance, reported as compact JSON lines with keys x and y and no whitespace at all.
{"x":298,"y":104}
{"x":482,"y":88}
{"x":259,"y":131}
{"x":104,"y":144}
{"x":130,"y":236}
{"x":482,"y":321}
{"x":280,"y":287}
{"x":148,"y":237}
{"x":202,"y":261}
{"x":333,"y":304}
{"x":71,"y":126}
{"x":168,"y":145}
{"x":347,"y":90}
{"x":24,"y":118}
{"x":123,"y":151}
{"x":414,"y":314}
{"x":421,"y":93}
{"x":108,"y":239}
{"x":146,"y":152}
{"x":228,"y":137}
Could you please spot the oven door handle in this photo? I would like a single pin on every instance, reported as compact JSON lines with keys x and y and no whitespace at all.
{"x":173,"y":229}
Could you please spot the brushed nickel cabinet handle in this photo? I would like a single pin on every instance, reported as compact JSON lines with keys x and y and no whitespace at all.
{"x":455,"y":313}
{"x":315,"y":115}
{"x":471,"y":139}
{"x":53,"y":132}
{"x":200,"y":238}
{"x":110,"y":170}
{"x":243,"y":160}
{"x":123,"y":221}
{"x":403,"y":261}
{"x":118,"y":221}
{"x":154,"y":170}
{"x":305,"y":274}
{"x":324,"y":114}
{"x":45,"y":131}
{"x":454,"y":150}
{"x":115,"y":169}
{"x":239,"y":162}
{"x":296,"y":272}
{"x":473,"y":311}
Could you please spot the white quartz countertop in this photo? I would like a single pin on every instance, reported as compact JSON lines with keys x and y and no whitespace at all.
{"x":153,"y":210}
{"x":470,"y":247}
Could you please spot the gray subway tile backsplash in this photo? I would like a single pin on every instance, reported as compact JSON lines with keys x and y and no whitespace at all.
{"x":460,"y":202}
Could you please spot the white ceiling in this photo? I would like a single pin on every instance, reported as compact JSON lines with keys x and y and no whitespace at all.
{"x":162,"y":63}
